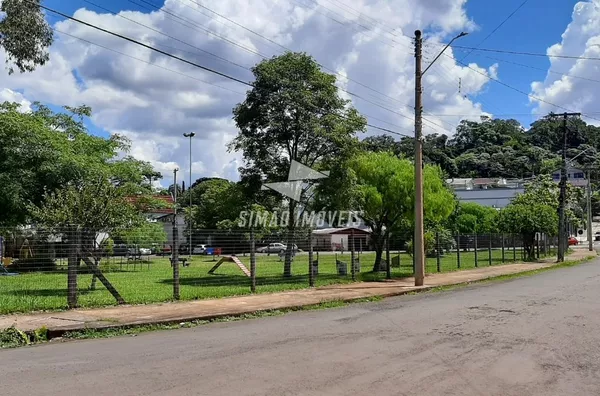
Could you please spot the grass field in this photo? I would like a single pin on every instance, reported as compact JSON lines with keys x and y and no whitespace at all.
{"x":151,"y":281}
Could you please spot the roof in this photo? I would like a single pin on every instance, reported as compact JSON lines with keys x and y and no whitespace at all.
{"x":166,"y":199}
{"x":484,"y":181}
{"x":329,"y":231}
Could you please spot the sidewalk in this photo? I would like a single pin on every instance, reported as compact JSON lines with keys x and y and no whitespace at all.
{"x":131,"y":315}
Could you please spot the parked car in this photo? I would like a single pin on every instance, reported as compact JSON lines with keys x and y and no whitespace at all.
{"x":199,"y":249}
{"x":134,"y":251}
{"x":275,"y":248}
{"x":597,"y":236}
{"x":573,"y":241}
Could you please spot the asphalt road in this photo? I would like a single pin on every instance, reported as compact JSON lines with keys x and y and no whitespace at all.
{"x":531,"y":336}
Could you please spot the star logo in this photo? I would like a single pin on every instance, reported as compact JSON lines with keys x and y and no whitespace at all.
{"x":297,"y":176}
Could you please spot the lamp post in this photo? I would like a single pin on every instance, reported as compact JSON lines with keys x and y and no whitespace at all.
{"x":418,"y":244}
{"x":190,"y":135}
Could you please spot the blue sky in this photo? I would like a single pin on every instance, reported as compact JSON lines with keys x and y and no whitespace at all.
{"x":154,"y":107}
{"x":536,"y":26}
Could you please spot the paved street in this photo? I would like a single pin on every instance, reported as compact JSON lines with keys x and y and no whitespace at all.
{"x":531,"y":336}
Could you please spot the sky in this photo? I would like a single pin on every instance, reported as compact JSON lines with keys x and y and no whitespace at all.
{"x":367,"y":44}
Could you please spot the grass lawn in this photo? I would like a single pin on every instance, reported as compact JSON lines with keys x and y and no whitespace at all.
{"x":151,"y":281}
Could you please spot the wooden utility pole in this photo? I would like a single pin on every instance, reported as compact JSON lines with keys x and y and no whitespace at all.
{"x":175,"y":248}
{"x":589,"y":212}
{"x":418,"y":243}
{"x":562,"y":200}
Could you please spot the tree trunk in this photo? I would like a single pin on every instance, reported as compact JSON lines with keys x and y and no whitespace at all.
{"x":379,"y":240}
{"x":528,"y":242}
{"x":96,"y":271}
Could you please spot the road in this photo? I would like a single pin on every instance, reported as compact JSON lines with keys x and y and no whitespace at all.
{"x":530,"y":336}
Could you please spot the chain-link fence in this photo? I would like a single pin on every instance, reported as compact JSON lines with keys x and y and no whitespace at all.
{"x":44,"y":270}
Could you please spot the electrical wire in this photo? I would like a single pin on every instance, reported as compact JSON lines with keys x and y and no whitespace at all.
{"x":497,"y":28}
{"x":181,"y":59}
{"x":518,"y":90}
{"x":166,"y":35}
{"x":525,"y":53}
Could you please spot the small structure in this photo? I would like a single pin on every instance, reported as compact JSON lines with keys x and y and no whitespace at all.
{"x":575,"y":177}
{"x":231,"y":259}
{"x":341,"y":238}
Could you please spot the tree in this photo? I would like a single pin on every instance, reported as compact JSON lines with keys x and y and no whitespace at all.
{"x":43,"y":151}
{"x":473,"y":218}
{"x":292,"y":113}
{"x":220,"y":200}
{"x":144,"y":235}
{"x":528,"y":220}
{"x":24,"y":34}
{"x":80,"y":212}
{"x":536,"y":210}
{"x":380,"y":187}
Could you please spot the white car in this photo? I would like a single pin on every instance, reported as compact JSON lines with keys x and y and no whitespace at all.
{"x":145,"y":251}
{"x":199,"y":249}
{"x":275,"y":248}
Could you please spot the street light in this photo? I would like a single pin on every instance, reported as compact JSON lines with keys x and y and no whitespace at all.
{"x":419,"y":243}
{"x":190,"y":135}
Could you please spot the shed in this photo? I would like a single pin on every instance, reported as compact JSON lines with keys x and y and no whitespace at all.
{"x":341,"y":239}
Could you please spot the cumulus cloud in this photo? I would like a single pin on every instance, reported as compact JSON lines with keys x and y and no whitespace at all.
{"x":575,"y":90}
{"x":154,"y":99}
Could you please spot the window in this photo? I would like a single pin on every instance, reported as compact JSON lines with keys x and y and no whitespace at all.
{"x":578,"y":175}
{"x":556,"y":176}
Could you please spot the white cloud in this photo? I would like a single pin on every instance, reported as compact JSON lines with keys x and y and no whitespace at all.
{"x":8,"y":95}
{"x":574,"y":90}
{"x":154,"y":107}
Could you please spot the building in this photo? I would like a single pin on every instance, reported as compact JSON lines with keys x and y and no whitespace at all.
{"x":340,"y":239}
{"x":496,"y":193}
{"x":575,"y":176}
{"x":164,"y":215}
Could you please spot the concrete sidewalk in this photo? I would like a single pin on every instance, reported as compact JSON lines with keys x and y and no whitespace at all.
{"x":131,"y":315}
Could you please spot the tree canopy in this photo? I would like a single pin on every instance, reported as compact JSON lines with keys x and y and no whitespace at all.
{"x":43,"y":151}
{"x":24,"y":34}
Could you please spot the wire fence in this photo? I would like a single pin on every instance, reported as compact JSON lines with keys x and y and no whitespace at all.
{"x":44,"y":270}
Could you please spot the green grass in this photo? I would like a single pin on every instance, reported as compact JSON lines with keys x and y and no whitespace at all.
{"x":151,"y":282}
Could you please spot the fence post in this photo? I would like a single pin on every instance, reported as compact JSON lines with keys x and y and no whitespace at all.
{"x":72,"y":266}
{"x":476,"y":255}
{"x":537,"y":247}
{"x":514,"y":248}
{"x":353,"y":269}
{"x":502,"y":248}
{"x":175,"y":258}
{"x":490,"y":249}
{"x":458,"y":250}
{"x":437,"y":250}
{"x":252,"y":261}
{"x":388,"y":263}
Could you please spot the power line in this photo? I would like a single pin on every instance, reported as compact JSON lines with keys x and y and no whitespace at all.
{"x":181,"y":59}
{"x":166,"y":35}
{"x":145,"y":45}
{"x":525,"y":53}
{"x":496,"y":28}
{"x":198,"y":26}
{"x":144,"y":61}
{"x":285,"y":48}
{"x":516,"y":89}
{"x":539,"y":68}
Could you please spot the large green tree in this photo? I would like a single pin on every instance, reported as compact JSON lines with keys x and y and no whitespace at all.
{"x":380,"y":187}
{"x":43,"y":151}
{"x":473,"y":218}
{"x":292,"y":113}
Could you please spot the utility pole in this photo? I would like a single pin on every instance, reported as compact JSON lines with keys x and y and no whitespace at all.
{"x":589,"y":212}
{"x":418,"y":243}
{"x":419,"y":252}
{"x":562,"y":200}
{"x":175,"y":248}
{"x":190,"y":135}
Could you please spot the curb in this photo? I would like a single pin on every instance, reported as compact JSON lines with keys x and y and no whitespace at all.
{"x":59,"y":332}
